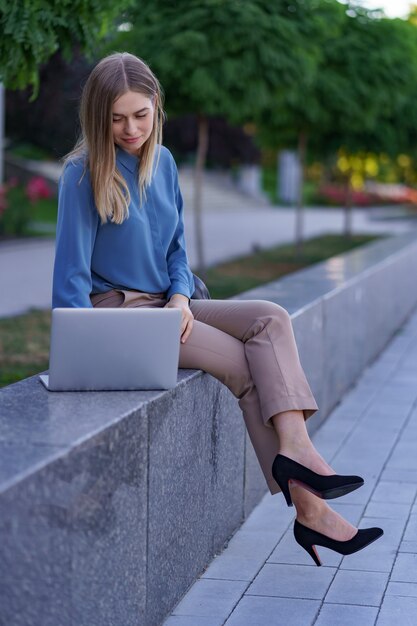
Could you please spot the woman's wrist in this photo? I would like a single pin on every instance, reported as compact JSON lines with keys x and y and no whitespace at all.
{"x":179,"y":297}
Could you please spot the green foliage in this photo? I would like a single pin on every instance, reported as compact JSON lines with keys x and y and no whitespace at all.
{"x":218,"y":57}
{"x":22,"y":206}
{"x":32,"y":30}
{"x":362,"y":87}
{"x":27,"y":150}
{"x":372,"y":85}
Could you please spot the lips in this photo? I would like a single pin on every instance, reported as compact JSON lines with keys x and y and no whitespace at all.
{"x":131,"y":140}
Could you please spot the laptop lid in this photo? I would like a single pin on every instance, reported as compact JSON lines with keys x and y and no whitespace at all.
{"x":114,"y":349}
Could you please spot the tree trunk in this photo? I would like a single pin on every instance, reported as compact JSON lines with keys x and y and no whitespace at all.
{"x":202,"y":147}
{"x":299,"y":210}
{"x":348,"y":208}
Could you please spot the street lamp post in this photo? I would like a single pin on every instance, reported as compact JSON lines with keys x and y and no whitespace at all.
{"x":1,"y":133}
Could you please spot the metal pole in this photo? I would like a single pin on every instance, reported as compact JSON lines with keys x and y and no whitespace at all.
{"x":1,"y":133}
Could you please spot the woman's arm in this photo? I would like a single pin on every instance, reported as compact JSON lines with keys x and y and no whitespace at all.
{"x":77,"y":225}
{"x":182,"y":281}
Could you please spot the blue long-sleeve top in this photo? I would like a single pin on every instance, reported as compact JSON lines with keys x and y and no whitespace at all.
{"x":145,"y":253}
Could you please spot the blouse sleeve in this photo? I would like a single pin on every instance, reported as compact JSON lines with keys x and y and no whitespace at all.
{"x":182,"y":280}
{"x":77,"y":226}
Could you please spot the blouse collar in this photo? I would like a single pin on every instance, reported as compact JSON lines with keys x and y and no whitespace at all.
{"x":130,"y":161}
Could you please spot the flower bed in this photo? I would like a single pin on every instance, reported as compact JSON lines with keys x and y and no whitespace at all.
{"x":20,"y":204}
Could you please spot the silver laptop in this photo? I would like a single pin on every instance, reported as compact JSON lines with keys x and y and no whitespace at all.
{"x":113,"y":349}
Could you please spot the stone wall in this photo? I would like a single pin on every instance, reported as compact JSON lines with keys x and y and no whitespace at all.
{"x":111,"y":504}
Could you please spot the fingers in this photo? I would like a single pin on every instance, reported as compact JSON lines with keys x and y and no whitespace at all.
{"x":187,"y":319}
{"x":186,"y":327}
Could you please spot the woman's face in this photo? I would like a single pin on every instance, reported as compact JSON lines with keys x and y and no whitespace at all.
{"x":132,"y":121}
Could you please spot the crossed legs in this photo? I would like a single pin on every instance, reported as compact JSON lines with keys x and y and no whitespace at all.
{"x":240,"y":342}
{"x":250,"y":347}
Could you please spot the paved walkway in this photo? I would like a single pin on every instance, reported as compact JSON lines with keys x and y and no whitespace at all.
{"x":233,"y":225}
{"x":264,"y":578}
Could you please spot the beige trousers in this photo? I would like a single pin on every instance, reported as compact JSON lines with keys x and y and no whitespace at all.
{"x":249,"y":346}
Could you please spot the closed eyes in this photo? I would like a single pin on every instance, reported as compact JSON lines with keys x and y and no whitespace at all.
{"x":119,"y":119}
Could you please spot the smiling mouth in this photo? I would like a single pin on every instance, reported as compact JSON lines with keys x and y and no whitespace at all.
{"x":131,"y":139}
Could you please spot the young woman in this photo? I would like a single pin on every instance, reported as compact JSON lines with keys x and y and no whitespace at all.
{"x":120,"y":243}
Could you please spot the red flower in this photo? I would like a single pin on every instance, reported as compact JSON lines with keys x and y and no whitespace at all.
{"x":37,"y":188}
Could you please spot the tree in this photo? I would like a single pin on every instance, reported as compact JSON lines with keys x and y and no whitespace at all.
{"x":32,"y":30}
{"x":371,"y":89}
{"x":215,"y":57}
{"x":299,"y":114}
{"x":360,"y":94}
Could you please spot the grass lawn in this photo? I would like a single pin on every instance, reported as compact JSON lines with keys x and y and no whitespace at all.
{"x":24,"y":345}
{"x":24,"y":340}
{"x":233,"y":277}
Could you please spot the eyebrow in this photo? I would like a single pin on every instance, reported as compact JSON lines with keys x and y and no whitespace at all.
{"x":135,"y":113}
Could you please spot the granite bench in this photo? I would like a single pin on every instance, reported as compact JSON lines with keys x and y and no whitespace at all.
{"x":111,"y":504}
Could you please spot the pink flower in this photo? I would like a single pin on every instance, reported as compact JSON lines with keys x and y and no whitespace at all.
{"x":37,"y":188}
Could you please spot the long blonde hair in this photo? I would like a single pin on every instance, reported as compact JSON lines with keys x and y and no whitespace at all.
{"x":112,"y":77}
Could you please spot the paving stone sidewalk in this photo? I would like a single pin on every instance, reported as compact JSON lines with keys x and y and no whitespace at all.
{"x":264,"y":578}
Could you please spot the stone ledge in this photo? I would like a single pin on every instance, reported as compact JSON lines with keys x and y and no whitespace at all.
{"x":111,"y":504}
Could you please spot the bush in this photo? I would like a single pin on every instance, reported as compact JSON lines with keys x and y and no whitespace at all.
{"x":18,"y":203}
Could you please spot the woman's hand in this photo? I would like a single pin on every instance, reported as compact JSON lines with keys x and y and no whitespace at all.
{"x":178,"y":301}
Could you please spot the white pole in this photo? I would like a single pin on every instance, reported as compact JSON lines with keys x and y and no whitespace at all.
{"x":1,"y":133}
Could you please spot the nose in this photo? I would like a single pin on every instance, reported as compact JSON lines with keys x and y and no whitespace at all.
{"x":130,"y":127}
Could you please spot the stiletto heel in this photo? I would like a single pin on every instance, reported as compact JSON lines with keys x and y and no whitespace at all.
{"x":308,"y":538}
{"x":326,"y":487}
{"x":284,"y":486}
{"x":313,"y":553}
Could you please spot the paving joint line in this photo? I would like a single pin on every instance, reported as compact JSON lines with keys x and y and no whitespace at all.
{"x":363,"y":413}
{"x":393,"y":564}
{"x":407,"y":350}
{"x":253,"y":579}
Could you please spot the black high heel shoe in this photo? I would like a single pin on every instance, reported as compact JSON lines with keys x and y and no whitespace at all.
{"x":309,"y":539}
{"x":326,"y":487}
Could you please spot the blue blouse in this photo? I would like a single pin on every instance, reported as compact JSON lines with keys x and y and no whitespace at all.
{"x":145,"y":253}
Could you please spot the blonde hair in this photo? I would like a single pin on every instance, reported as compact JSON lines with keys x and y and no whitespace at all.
{"x":112,"y":77}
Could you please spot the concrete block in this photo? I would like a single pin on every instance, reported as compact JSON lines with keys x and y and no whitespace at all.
{"x":355,"y":587}
{"x":292,"y":581}
{"x":254,"y":481}
{"x":394,"y":493}
{"x":401,"y":589}
{"x":186,"y":620}
{"x":411,"y":528}
{"x":308,"y":331}
{"x":195,"y":500}
{"x":259,"y":611}
{"x":243,"y":557}
{"x":387,"y":511}
{"x":64,"y":538}
{"x":408,"y":546}
{"x":211,"y":598}
{"x":405,"y":568}
{"x":399,"y":475}
{"x":346,"y":615}
{"x":398,"y":610}
{"x":271,"y":514}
